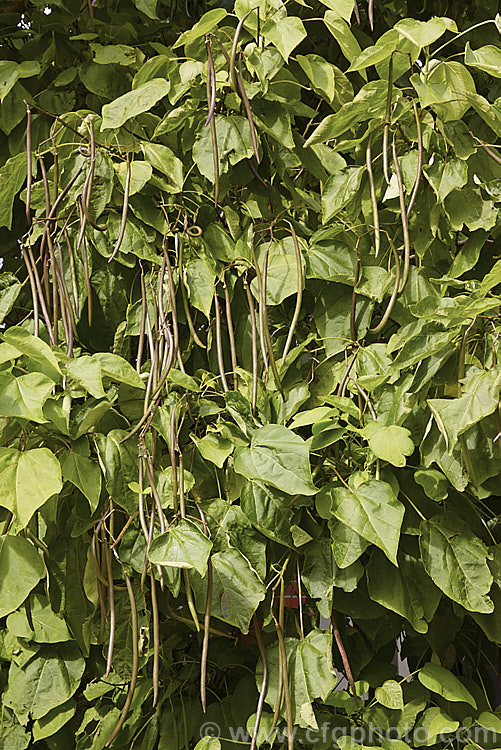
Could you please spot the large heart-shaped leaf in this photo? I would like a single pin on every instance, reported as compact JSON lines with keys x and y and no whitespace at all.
{"x":27,"y":480}
{"x":373,"y":511}
{"x":278,"y":457}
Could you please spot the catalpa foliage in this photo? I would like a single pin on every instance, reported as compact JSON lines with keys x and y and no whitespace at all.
{"x":250,"y":436}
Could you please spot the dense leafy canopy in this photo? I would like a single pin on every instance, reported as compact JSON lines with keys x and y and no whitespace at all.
{"x":250,"y":436}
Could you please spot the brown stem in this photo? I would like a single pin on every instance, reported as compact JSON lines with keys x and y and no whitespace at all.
{"x":219,"y":348}
{"x":252,"y":315}
{"x":156,"y":638}
{"x":299,"y":293}
{"x":135,"y":660}
{"x":387,"y":121}
{"x":29,"y":174}
{"x":375,"y":212}
{"x":125,"y":208}
{"x":394,"y":293}
{"x":264,"y":682}
{"x":205,"y":642}
{"x":344,"y":655}
{"x":403,"y":218}
{"x":420,"y":159}
{"x":231,"y":334}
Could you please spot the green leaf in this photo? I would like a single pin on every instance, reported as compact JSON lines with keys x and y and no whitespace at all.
{"x":422,"y":33}
{"x":140,"y":173}
{"x":117,"y":368}
{"x":284,"y":33}
{"x":45,"y":682}
{"x":233,"y":141}
{"x":332,"y":322}
{"x":134,"y":103}
{"x":444,"y":683}
{"x":321,"y":574}
{"x":372,"y":56}
{"x":490,"y":721}
{"x":433,"y":482}
{"x":118,"y":54}
{"x":434,"y":722}
{"x":27,"y":479}
{"x":207,"y":23}
{"x":52,"y":722}
{"x":310,"y":672}
{"x":12,"y":175}
{"x":163,"y":159}
{"x":390,"y":694}
{"x":119,"y":464}
{"x":340,"y":8}
{"x":479,"y":399}
{"x":208,"y":743}
{"x":340,"y":190}
{"x":406,"y":590}
{"x":86,"y":371}
{"x":24,"y":397}
{"x":331,"y":260}
{"x":277,"y":457}
{"x":391,"y":443}
{"x":456,"y":560}
{"x":487,"y":58}
{"x":14,"y":736}
{"x":22,"y":569}
{"x":48,"y":627}
{"x":84,"y":473}
{"x":453,"y":175}
{"x":35,"y":349}
{"x":447,"y":89}
{"x":347,"y":545}
{"x":281,"y":277}
{"x":343,"y":35}
{"x":9,"y":292}
{"x":148,"y":7}
{"x":368,"y":103}
{"x":11,"y":72}
{"x":373,"y":512}
{"x":237,"y":590}
{"x":320,"y":74}
{"x":214,"y":448}
{"x":199,"y":278}
{"x":268,"y":510}
{"x":182,"y":546}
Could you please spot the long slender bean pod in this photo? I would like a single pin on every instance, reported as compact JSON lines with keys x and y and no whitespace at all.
{"x":375,"y":212}
{"x":125,"y":208}
{"x":233,"y":55}
{"x":187,"y":313}
{"x":420,"y":158}
{"x":135,"y":659}
{"x":299,"y":293}
{"x":394,"y":293}
{"x":387,"y":121}
{"x":264,"y":683}
{"x":261,"y":280}
{"x":205,"y":642}
{"x":231,"y":333}
{"x":29,"y":169}
{"x":111,"y":608}
{"x":156,"y":637}
{"x":287,"y":695}
{"x":34,"y":294}
{"x":252,"y":316}
{"x":211,"y":102}
{"x":403,"y":218}
{"x":219,"y":347}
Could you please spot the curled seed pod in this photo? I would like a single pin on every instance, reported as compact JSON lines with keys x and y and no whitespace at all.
{"x":125,"y":208}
